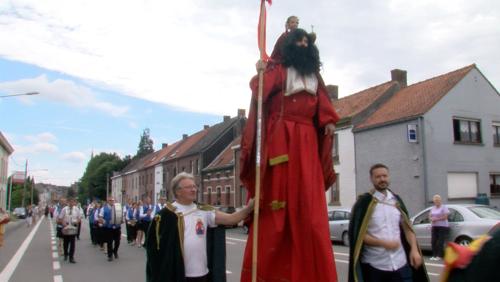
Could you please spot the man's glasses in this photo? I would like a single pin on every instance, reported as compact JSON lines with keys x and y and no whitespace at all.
{"x":193,"y":186}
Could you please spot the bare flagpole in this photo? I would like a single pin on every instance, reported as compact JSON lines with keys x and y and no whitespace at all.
{"x":260,"y":67}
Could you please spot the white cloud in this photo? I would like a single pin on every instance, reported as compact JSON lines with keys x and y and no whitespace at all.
{"x":63,"y":91}
{"x":35,"y":148}
{"x":76,"y":157}
{"x":42,"y":137}
{"x":200,"y":55}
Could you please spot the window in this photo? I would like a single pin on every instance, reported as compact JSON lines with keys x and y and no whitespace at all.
{"x":467,"y":131}
{"x":335,"y":148}
{"x":496,"y":134}
{"x":335,"y":192}
{"x":422,"y":219}
{"x":339,"y":215}
{"x":455,"y":216}
{"x":228,"y":195}
{"x":209,"y":195}
{"x":243,"y":196}
{"x":495,"y":184}
{"x":219,"y":194}
{"x":462,"y":185}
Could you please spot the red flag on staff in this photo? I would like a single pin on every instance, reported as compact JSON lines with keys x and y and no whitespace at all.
{"x":261,"y":31}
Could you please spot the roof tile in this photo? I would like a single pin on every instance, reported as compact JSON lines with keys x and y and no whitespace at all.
{"x":415,"y":99}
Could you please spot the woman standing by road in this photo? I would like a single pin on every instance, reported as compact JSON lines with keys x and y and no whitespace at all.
{"x":440,"y":227}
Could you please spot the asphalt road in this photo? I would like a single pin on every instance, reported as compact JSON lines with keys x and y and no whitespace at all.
{"x":30,"y":254}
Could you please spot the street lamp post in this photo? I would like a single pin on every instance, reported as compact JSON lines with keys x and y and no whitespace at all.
{"x":21,"y":94}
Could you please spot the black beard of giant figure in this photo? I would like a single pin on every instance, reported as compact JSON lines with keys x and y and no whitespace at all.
{"x":304,"y":59}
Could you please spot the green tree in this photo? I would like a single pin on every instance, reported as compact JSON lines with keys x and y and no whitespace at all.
{"x":18,"y":192}
{"x":145,"y":145}
{"x":99,"y":168}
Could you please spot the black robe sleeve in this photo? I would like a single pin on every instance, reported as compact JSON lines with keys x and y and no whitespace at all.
{"x":216,"y":253}
{"x":164,"y":261}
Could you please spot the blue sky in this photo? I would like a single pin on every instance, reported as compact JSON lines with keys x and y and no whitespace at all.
{"x":105,"y":70}
{"x":60,"y":136}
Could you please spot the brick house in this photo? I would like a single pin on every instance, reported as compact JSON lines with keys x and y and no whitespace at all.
{"x":221,"y":178}
{"x":200,"y":149}
{"x":151,"y":175}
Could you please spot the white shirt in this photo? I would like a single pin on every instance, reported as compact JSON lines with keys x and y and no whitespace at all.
{"x":70,"y":215}
{"x":385,"y":224}
{"x":295,"y":82}
{"x":143,"y":214}
{"x":195,"y":238}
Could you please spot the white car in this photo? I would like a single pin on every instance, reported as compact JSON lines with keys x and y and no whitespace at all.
{"x":467,"y":222}
{"x":338,"y":220}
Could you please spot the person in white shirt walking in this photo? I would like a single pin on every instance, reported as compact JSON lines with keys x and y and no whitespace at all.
{"x":70,"y":217}
{"x":383,"y":246}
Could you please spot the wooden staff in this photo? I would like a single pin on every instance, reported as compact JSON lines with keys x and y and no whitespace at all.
{"x":260,"y":67}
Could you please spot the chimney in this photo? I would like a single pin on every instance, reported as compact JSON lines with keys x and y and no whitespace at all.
{"x":226,"y":118}
{"x":333,"y":91}
{"x":399,"y":76}
{"x":184,"y":136}
{"x":206,"y":126}
{"x":241,"y":113}
{"x":164,"y":145}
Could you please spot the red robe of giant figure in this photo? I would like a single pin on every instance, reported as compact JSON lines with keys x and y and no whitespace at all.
{"x":296,"y":166}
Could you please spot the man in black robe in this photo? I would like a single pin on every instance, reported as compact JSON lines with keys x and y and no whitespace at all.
{"x":178,"y":231}
{"x":367,"y":244}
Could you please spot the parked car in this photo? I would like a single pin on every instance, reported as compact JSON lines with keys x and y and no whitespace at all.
{"x":467,"y":222}
{"x":20,"y":212}
{"x":338,"y":220}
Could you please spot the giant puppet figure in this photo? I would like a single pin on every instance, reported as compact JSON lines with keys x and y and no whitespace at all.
{"x":296,"y":167}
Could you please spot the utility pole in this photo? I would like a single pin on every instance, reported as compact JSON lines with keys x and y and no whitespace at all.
{"x":24,"y":188}
{"x":32,"y":184}
{"x":10,"y":194}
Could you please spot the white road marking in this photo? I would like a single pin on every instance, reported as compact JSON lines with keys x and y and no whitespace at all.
{"x":434,"y":264}
{"x":341,"y":260}
{"x":230,"y":243}
{"x":236,"y":239}
{"x":58,"y":278}
{"x":228,"y":272}
{"x":56,"y":265}
{"x":14,"y":261}
{"x":55,"y":255}
{"x":54,"y":248}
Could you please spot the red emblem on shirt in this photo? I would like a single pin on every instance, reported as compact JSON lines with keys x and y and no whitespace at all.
{"x":200,"y":229}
